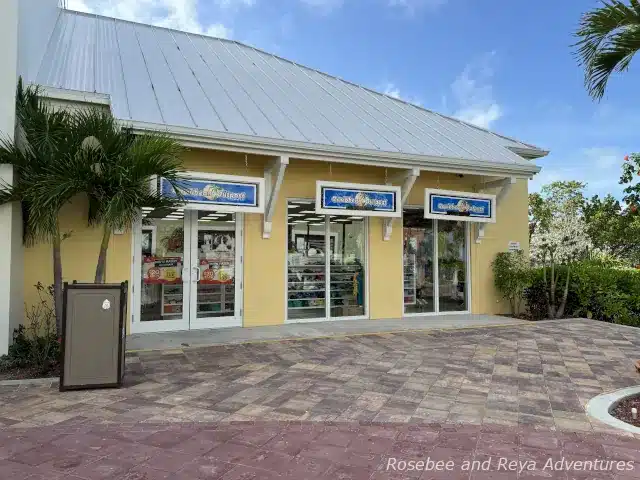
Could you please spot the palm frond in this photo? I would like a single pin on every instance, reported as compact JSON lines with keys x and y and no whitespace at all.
{"x":608,"y":38}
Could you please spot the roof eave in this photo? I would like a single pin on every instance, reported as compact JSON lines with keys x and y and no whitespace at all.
{"x":207,"y":139}
{"x":529,"y":153}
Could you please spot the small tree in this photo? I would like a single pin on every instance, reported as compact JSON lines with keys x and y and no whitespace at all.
{"x":42,"y":156}
{"x":512,"y":273}
{"x":123,"y":166}
{"x":563,"y":241}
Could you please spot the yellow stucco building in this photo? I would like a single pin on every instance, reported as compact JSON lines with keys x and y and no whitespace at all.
{"x":308,"y":198}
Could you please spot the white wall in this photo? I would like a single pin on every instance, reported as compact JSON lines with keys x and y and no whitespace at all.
{"x":11,"y":280}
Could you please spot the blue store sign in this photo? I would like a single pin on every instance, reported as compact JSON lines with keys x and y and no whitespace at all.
{"x":473,"y":207}
{"x":223,"y":193}
{"x":357,"y":199}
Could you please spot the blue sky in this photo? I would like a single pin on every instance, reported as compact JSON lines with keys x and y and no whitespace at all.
{"x":503,"y":64}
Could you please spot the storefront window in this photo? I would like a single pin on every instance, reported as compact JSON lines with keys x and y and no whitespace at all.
{"x":216,"y":259}
{"x":320,"y":247}
{"x":162,"y":248}
{"x":452,"y":266}
{"x":306,"y":270}
{"x":426,"y":240}
{"x":347,"y":272}
{"x":418,"y":262}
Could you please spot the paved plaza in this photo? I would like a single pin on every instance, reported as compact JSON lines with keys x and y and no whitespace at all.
{"x":338,"y":408}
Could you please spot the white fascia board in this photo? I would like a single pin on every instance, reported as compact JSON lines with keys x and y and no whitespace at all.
{"x":205,"y":139}
{"x":74,"y":95}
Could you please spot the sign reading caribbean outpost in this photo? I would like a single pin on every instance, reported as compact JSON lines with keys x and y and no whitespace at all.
{"x":334,"y":198}
{"x":225,"y":193}
{"x":460,"y":206}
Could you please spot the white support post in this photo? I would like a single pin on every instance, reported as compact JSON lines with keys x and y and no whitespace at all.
{"x":275,"y":170}
{"x":11,"y":251}
{"x":408,"y":178}
{"x":504,"y":184}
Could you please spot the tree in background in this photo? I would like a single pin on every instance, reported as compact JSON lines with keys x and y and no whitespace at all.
{"x":614,"y":231}
{"x":562,"y":240}
{"x":608,"y":39}
{"x":556,"y":197}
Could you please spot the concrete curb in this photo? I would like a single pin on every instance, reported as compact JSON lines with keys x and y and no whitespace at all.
{"x":30,"y":381}
{"x":336,"y":336}
{"x":600,"y":406}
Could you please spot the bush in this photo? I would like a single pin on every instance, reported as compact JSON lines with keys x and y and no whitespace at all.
{"x":35,"y":346}
{"x":535,"y":298}
{"x":595,"y":291}
{"x":512,"y":274}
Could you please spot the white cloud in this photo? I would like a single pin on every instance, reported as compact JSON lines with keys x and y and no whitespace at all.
{"x":473,"y":93}
{"x":393,"y":91}
{"x":323,"y":6}
{"x":178,"y":14}
{"x":412,"y":6}
{"x":598,"y":167}
{"x":603,"y":157}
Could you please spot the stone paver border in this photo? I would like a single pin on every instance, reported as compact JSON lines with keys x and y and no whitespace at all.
{"x":601,"y":406}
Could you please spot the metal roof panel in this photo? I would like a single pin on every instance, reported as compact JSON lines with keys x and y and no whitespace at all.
{"x":164,"y":76}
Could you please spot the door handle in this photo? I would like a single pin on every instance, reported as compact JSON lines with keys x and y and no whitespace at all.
{"x":185,"y":274}
{"x":197,"y":269}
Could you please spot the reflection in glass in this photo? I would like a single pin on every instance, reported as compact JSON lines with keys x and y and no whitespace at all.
{"x":162,"y":250}
{"x":418,"y":262}
{"x":216,"y":262}
{"x":452,"y":271}
{"x":306,"y":289}
{"x":347,"y":271}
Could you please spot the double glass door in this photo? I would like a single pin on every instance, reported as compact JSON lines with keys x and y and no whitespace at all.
{"x":189,"y":267}
{"x":435,"y":264}
{"x":326,"y":264}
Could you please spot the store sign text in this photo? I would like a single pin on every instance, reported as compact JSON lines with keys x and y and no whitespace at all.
{"x":212,"y":192}
{"x":463,"y":206}
{"x":354,"y":199}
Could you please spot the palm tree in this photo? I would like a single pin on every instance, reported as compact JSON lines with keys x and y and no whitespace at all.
{"x":123,"y":166}
{"x":608,"y":38}
{"x":43,"y":150}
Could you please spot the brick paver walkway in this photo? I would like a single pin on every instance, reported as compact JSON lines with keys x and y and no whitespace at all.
{"x":339,"y":408}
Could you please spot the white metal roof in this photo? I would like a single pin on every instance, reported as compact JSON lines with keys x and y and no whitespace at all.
{"x":166,"y":77}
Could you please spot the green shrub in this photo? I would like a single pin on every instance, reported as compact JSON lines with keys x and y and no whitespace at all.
{"x":595,"y":291}
{"x":512,"y":274}
{"x":35,"y":346}
{"x":536,"y":300}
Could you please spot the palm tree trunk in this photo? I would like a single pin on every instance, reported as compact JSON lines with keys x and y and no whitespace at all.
{"x":102,"y":257}
{"x":57,"y":281}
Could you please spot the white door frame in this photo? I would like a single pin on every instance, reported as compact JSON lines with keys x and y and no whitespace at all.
{"x":234,"y":320}
{"x":189,"y":320}
{"x":136,"y":325}
{"x":436,"y":280}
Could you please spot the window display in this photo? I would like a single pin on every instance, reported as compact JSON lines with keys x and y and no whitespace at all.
{"x":216,"y":259}
{"x":426,"y":242}
{"x":309,"y":264}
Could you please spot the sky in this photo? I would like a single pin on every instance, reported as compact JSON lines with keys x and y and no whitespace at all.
{"x":506,"y":65}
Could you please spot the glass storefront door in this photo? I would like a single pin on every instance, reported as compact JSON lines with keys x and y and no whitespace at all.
{"x":435,"y":264}
{"x":326,"y":259}
{"x":190,"y":272}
